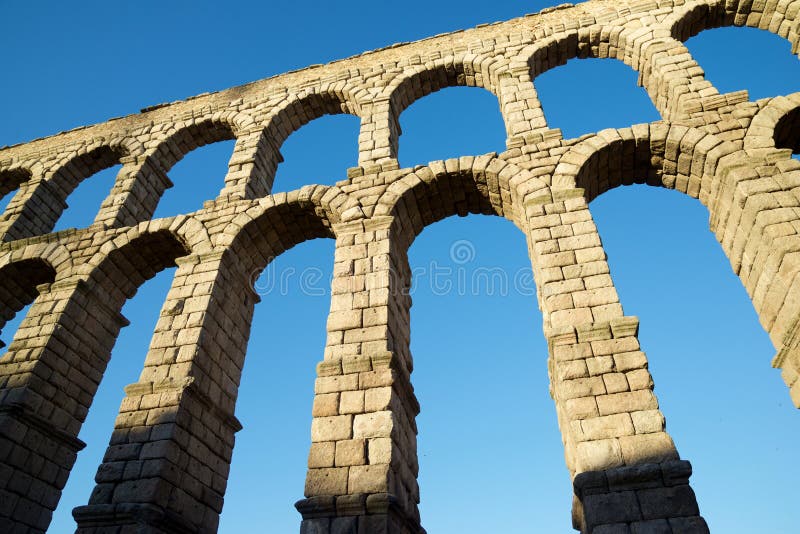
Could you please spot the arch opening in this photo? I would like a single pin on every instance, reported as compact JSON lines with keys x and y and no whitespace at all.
{"x":775,"y":18}
{"x":628,"y":162}
{"x":125,"y":363}
{"x":18,"y":291}
{"x":656,"y":155}
{"x":736,"y":58}
{"x":286,"y":341}
{"x":85,"y":181}
{"x":474,"y":297}
{"x":297,"y":112}
{"x":83,"y":203}
{"x":10,"y":181}
{"x":273,"y":230}
{"x":319,"y":152}
{"x":787,"y":132}
{"x":421,"y":82}
{"x":128,"y":267}
{"x":297,"y":287}
{"x":615,"y":100}
{"x":707,"y":352}
{"x":198,"y":176}
{"x":445,"y":125}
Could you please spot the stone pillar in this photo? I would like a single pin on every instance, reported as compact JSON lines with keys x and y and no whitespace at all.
{"x":754,"y":204}
{"x":626,"y":471}
{"x":47,"y":381}
{"x":362,"y":463}
{"x":139,"y":186}
{"x":166,"y":467}
{"x":33,"y":210}
{"x":521,"y":108}
{"x":379,"y":135}
{"x":252,"y":167}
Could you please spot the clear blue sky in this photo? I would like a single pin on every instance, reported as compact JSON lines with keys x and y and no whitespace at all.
{"x":490,"y":453}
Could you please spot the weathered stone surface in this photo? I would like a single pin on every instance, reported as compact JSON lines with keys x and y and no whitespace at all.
{"x":175,"y":432}
{"x":369,"y":478}
{"x":351,"y":452}
{"x":331,"y":428}
{"x":322,"y":454}
{"x":326,"y":481}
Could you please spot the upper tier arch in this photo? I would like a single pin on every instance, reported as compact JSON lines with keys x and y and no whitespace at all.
{"x":667,"y":71}
{"x":779,"y":18}
{"x":289,"y":114}
{"x":12,"y":178}
{"x":776,"y":125}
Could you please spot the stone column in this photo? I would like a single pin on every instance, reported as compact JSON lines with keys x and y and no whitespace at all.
{"x":754,"y":205}
{"x":137,"y":189}
{"x":626,"y":471}
{"x":522,"y":109}
{"x":33,"y":210}
{"x":362,"y":463}
{"x":47,"y":381}
{"x":379,"y":135}
{"x":252,"y":166}
{"x":166,"y":467}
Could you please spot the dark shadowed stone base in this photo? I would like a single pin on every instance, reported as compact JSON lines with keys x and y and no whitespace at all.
{"x":646,"y":498}
{"x":355,"y":514}
{"x":36,"y":459}
{"x":131,"y":519}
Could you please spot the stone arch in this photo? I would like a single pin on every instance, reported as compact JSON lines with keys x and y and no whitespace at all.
{"x":12,"y":178}
{"x":198,"y":358}
{"x":751,"y":202}
{"x":519,"y":105}
{"x":161,"y":236}
{"x":469,"y":185}
{"x":413,"y":82}
{"x":65,"y":176}
{"x":779,"y":18}
{"x":242,"y":249}
{"x":279,"y":222}
{"x":611,"y":158}
{"x":144,"y":178}
{"x":20,"y":280}
{"x":295,"y":111}
{"x":23,"y":270}
{"x":53,"y":254}
{"x":666,"y":155}
{"x":776,"y":125}
{"x":665,"y":67}
{"x":52,"y":370}
{"x":689,"y":160}
{"x":106,"y":281}
{"x":483,"y":184}
{"x":249,"y":242}
{"x":138,"y":254}
{"x":184,"y":136}
{"x":255,"y":237}
{"x":39,"y":207}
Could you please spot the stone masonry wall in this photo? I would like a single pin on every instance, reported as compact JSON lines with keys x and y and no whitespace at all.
{"x":166,"y":467}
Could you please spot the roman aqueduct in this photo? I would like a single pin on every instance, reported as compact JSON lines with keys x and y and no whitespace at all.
{"x":166,"y":467}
